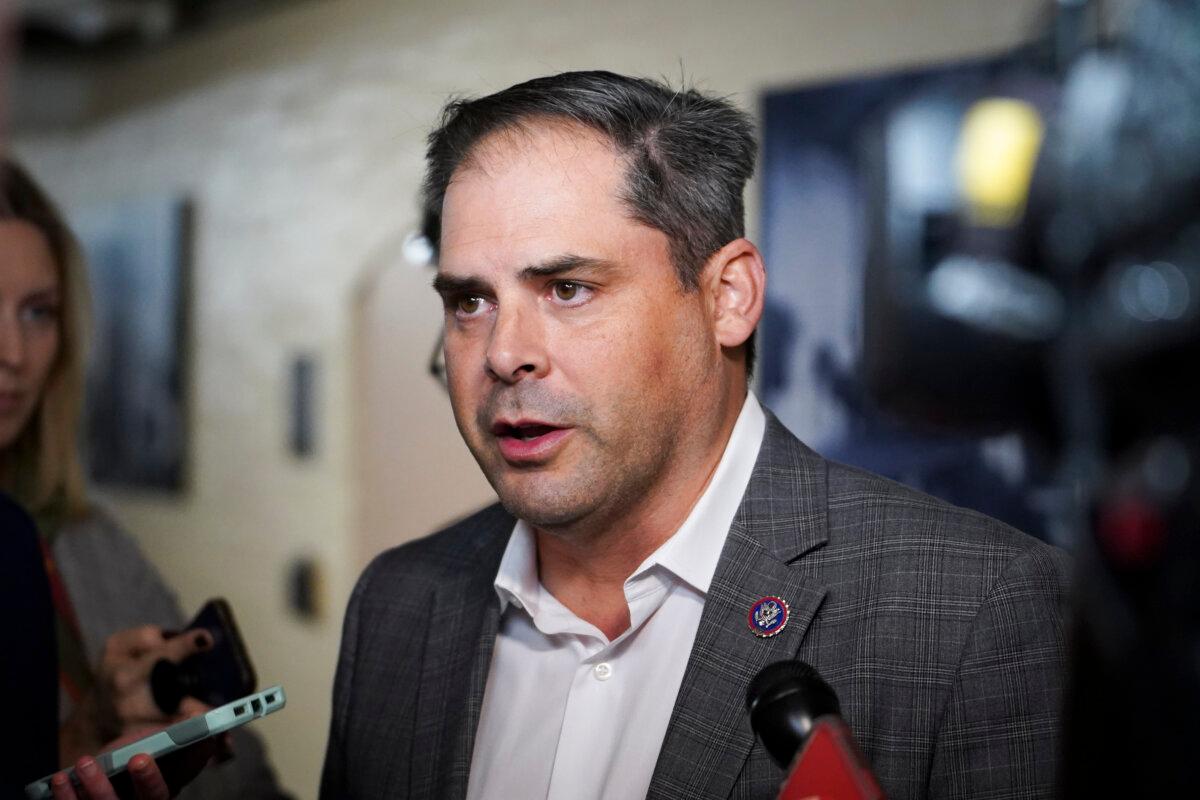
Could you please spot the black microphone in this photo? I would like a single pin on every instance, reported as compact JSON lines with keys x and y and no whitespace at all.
{"x":797,"y":716}
{"x":784,"y":700}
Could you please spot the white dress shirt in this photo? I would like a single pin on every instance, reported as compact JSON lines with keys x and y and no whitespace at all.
{"x":570,"y":715}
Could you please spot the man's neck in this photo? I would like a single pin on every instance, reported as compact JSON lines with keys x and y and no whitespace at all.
{"x":586,"y":570}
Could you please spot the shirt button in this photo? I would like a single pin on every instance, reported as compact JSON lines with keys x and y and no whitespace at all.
{"x":603,"y":672}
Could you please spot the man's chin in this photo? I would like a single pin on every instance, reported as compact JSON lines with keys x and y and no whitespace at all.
{"x":544,"y":506}
{"x":542,"y":516}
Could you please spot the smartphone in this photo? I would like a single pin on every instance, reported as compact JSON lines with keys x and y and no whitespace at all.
{"x":179,"y":735}
{"x":218,"y":675}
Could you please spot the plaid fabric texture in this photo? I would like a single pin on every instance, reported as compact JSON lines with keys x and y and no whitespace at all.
{"x":939,"y":628}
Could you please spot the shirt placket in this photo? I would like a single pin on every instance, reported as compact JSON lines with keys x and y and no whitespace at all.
{"x":587,"y":721}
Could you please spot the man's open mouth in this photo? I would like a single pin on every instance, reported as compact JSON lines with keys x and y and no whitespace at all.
{"x":522,"y":431}
{"x":528,"y":442}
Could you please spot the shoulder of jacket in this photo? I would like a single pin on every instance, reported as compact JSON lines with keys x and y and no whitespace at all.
{"x":465,"y":544}
{"x":98,"y":530}
{"x":864,"y":504}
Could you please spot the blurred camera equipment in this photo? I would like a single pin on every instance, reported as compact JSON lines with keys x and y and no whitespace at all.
{"x":1035,"y":266}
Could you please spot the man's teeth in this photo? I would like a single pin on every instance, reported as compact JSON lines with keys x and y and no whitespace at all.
{"x":530,"y":432}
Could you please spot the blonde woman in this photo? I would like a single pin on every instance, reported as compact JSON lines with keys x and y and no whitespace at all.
{"x":111,"y":606}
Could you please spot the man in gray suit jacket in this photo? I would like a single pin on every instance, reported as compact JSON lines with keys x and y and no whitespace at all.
{"x":660,"y":537}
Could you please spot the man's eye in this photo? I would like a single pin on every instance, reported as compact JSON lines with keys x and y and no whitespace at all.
{"x":570,"y":292}
{"x":471,"y":305}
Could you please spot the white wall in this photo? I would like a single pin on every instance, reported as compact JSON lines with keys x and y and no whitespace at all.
{"x":300,"y":140}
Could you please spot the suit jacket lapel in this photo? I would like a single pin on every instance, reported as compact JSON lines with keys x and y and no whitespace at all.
{"x":464,"y":619}
{"x":782,"y":517}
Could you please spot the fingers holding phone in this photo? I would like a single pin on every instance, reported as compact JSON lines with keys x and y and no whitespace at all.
{"x":157,"y":762}
{"x":217,"y":675}
{"x":146,"y":779}
{"x":121,"y":698}
{"x":124,"y":696}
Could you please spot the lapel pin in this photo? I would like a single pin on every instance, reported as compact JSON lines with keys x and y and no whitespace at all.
{"x":768,"y":616}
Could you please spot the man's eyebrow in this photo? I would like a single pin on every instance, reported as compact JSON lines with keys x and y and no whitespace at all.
{"x":565,"y":263}
{"x":447,"y":285}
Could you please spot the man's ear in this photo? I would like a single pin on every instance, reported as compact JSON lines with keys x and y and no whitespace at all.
{"x":736,"y":282}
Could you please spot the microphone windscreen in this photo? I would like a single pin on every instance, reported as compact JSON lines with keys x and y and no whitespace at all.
{"x":785,"y":699}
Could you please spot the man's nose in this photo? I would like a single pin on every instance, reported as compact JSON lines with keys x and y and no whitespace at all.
{"x":517,"y":349}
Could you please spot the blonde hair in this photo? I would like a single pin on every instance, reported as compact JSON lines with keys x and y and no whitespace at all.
{"x":42,"y":468}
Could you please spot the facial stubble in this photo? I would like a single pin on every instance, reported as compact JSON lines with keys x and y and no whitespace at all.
{"x":606,"y":470}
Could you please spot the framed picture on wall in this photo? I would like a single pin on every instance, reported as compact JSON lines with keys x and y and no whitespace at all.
{"x":138,"y":262}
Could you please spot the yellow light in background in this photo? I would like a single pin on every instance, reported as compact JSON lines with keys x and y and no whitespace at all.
{"x":997,"y":150}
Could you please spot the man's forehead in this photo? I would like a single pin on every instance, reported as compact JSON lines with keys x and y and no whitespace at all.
{"x":554,"y":170}
{"x":544,"y":139}
{"x":527,"y":195}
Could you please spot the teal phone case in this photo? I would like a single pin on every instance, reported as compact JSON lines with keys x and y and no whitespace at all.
{"x":181,"y":734}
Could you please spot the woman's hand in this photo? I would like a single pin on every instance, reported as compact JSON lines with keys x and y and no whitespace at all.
{"x":123,"y":681}
{"x":148,"y":782}
{"x":121,"y":700}
{"x":145,"y":780}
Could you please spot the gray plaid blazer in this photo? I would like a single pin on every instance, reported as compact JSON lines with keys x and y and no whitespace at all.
{"x":939,"y":628}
